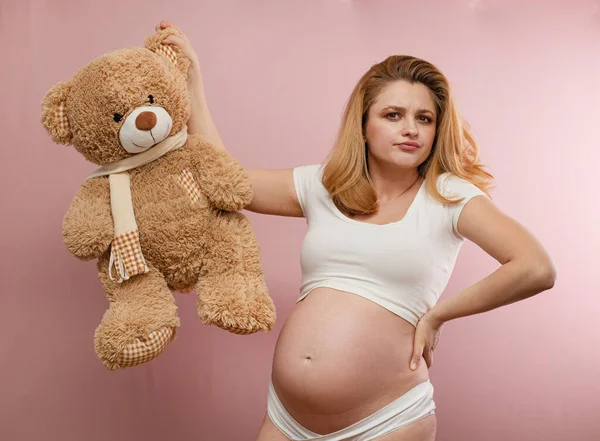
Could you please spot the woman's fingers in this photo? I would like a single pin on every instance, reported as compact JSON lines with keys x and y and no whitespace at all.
{"x":175,"y":40}
{"x":163,"y":25}
{"x":428,"y":356}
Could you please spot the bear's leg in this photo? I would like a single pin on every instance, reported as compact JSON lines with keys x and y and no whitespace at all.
{"x":221,"y":287}
{"x":232,"y":293}
{"x":141,"y":319}
{"x":262,"y":312}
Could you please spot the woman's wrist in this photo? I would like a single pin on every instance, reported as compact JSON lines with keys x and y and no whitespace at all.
{"x":196,"y":89}
{"x":435,"y":317}
{"x":195,"y":82}
{"x":194,"y":68}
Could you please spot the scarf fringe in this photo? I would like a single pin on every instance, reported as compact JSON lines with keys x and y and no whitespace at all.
{"x":126,"y":258}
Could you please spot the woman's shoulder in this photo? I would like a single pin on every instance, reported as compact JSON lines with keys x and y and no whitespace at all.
{"x":309,"y":187}
{"x":308,"y":175}
{"x":451,"y":186}
{"x":314,"y":169}
{"x":308,"y":178}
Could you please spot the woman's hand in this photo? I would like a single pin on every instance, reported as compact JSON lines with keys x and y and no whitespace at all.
{"x":200,"y":121}
{"x":427,"y":336}
{"x":184,"y":45}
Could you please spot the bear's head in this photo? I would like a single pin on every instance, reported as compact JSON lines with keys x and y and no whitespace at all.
{"x":121,"y":103}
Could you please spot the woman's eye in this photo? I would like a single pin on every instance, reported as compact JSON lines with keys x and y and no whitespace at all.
{"x":393,"y":115}
{"x":151,"y":99}
{"x":425,"y":118}
{"x":117,"y":117}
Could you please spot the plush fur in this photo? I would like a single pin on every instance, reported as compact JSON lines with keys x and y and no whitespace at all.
{"x":200,"y":242}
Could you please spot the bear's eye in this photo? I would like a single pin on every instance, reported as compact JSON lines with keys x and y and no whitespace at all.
{"x":151,"y":99}
{"x":117,"y":117}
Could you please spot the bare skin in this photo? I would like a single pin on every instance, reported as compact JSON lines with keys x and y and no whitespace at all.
{"x":339,"y":357}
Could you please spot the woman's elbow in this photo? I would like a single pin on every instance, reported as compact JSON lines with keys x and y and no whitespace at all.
{"x":545,"y":275}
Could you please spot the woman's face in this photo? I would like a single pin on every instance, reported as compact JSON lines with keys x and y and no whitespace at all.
{"x":401,"y":126}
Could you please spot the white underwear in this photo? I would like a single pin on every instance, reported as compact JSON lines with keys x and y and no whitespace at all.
{"x":417,"y":403}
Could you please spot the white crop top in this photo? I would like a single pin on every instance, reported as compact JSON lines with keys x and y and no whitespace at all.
{"x":403,"y":266}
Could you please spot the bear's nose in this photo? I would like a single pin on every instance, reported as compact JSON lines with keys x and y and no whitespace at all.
{"x":145,"y":121}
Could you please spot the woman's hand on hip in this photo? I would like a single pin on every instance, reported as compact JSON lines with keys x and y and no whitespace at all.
{"x":427,"y":336}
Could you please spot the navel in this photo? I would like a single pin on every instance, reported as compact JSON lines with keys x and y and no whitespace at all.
{"x":307,"y":359}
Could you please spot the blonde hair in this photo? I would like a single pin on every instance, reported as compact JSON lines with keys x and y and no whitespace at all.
{"x":346,"y":174}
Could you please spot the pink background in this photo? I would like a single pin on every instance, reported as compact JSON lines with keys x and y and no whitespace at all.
{"x":277,"y":75}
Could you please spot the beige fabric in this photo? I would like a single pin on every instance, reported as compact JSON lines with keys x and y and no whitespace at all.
{"x":163,"y":147}
{"x":126,"y":257}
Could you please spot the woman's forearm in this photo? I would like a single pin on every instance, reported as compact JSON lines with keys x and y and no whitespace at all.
{"x":512,"y":282}
{"x":201,"y":121}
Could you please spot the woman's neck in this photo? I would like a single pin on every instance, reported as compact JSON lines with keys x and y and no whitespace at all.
{"x":390,"y":183}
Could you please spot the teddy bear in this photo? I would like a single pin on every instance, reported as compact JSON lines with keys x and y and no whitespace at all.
{"x":162,"y":212}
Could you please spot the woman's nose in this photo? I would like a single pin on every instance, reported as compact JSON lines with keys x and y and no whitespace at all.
{"x":409,"y":129}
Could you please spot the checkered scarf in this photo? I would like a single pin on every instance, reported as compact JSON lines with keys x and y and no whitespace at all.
{"x":126,"y":258}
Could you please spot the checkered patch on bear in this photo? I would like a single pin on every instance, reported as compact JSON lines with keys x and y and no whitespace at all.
{"x":126,"y":257}
{"x":168,"y":52}
{"x":186,"y":179}
{"x":60,"y":114}
{"x":143,"y":350}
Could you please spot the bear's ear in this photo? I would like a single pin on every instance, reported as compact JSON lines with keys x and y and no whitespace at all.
{"x":171,"y":53}
{"x":54,"y":113}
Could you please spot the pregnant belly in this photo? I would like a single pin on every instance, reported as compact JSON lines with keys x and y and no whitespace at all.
{"x":340,"y":358}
